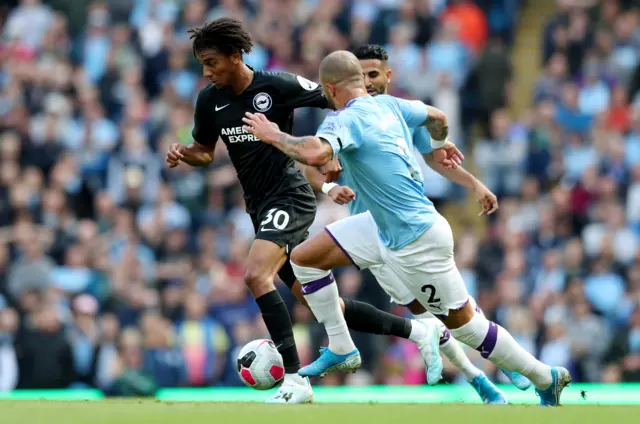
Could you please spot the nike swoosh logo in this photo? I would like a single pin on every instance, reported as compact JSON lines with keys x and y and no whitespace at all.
{"x":220,"y":108}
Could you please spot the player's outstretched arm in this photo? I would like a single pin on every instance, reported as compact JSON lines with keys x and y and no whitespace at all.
{"x":308,"y":150}
{"x":457,"y":175}
{"x":462,"y":177}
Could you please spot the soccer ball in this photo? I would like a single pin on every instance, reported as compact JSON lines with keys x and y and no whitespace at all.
{"x":260,"y":365}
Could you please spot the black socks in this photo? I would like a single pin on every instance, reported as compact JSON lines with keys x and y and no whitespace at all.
{"x":366,"y":318}
{"x":278,"y":321}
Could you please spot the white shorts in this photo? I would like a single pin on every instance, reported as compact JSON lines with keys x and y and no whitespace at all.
{"x":424,"y":270}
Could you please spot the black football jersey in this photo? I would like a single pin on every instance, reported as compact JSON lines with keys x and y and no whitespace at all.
{"x":263,"y":170}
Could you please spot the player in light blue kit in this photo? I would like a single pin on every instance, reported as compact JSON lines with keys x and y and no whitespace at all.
{"x":401,"y":229}
{"x":377,"y":77}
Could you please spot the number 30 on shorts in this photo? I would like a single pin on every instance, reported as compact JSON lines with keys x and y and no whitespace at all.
{"x":279,"y":220}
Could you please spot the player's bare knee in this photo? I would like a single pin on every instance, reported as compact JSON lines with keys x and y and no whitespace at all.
{"x":258,"y":282}
{"x":300,"y":257}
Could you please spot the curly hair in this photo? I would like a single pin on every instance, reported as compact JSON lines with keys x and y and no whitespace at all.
{"x":225,"y":35}
{"x":371,"y":51}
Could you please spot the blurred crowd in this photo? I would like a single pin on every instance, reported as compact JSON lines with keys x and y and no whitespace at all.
{"x":119,"y":274}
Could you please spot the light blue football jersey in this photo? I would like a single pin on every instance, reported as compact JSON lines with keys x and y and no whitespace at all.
{"x":375,"y":138}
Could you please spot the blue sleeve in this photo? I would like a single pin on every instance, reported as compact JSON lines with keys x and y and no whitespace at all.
{"x":414,"y":112}
{"x":422,"y":140}
{"x":336,"y":134}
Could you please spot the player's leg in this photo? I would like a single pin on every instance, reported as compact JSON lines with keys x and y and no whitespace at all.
{"x":279,"y":223}
{"x":497,"y":345}
{"x":351,"y":240}
{"x":517,"y":379}
{"x":265,"y":259}
{"x":312,"y":262}
{"x":449,"y":347}
{"x":366,"y":318}
{"x":428,"y":269}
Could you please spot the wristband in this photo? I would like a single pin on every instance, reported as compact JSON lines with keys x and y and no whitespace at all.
{"x":326,"y":187}
{"x":435,"y":145}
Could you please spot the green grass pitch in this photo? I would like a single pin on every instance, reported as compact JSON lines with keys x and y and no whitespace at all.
{"x":159,"y":412}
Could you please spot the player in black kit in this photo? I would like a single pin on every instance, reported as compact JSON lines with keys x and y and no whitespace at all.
{"x":279,"y":199}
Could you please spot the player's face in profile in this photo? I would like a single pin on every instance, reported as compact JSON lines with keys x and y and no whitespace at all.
{"x":217,"y":68}
{"x":376,"y":76}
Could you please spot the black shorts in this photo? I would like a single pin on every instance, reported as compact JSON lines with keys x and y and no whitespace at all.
{"x":285,"y":220}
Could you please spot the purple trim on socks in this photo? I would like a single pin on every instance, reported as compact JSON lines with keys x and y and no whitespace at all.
{"x":445,"y":337}
{"x":341,"y":248}
{"x":489,"y":342}
{"x":316,"y":285}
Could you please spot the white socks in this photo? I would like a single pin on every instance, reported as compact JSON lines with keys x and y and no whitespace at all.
{"x":418,"y":332}
{"x":295,"y":378}
{"x":452,"y":349}
{"x":496,"y":344}
{"x":320,"y":290}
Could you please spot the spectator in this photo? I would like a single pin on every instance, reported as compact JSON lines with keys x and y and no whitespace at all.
{"x":503,"y":173}
{"x":106,"y":356}
{"x":129,"y":377}
{"x":204,"y":343}
{"x":45,"y":357}
{"x":83,"y":336}
{"x":493,"y":72}
{"x":162,"y":360}
{"x":624,"y":355}
{"x":549,"y":86}
{"x":568,"y":115}
{"x":8,"y":363}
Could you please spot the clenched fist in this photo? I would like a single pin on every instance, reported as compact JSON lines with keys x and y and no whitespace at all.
{"x":341,"y":195}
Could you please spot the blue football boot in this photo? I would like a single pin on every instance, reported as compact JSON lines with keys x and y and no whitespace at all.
{"x":329,"y":362}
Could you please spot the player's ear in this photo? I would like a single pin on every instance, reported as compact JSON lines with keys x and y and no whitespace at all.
{"x":389,"y":73}
{"x":236,"y":58}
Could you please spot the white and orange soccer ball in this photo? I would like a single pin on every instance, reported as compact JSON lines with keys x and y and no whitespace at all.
{"x":260,"y":365}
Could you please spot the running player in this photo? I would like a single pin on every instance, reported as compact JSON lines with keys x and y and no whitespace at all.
{"x":377,"y":76}
{"x":401,"y":229}
{"x":279,"y":199}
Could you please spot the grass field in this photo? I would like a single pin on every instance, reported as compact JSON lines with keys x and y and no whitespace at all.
{"x":158,"y":412}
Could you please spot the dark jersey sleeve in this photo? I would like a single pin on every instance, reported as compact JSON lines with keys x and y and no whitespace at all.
{"x":300,"y":92}
{"x":204,"y":129}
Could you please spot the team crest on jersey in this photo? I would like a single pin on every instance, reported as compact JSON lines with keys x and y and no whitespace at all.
{"x":262,"y":102}
{"x":306,"y":84}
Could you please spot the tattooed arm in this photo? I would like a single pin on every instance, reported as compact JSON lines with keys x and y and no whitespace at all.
{"x":436,"y":123}
{"x":308,"y":150}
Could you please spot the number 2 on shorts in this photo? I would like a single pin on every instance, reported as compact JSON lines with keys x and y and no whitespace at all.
{"x":279,"y":219}
{"x":432,"y":293}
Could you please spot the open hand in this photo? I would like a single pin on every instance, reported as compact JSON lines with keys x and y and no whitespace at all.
{"x":174,"y":155}
{"x":341,"y":195}
{"x":487,"y":199}
{"x":258,"y":125}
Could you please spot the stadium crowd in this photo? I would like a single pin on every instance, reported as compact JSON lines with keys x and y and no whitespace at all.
{"x":119,"y":274}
